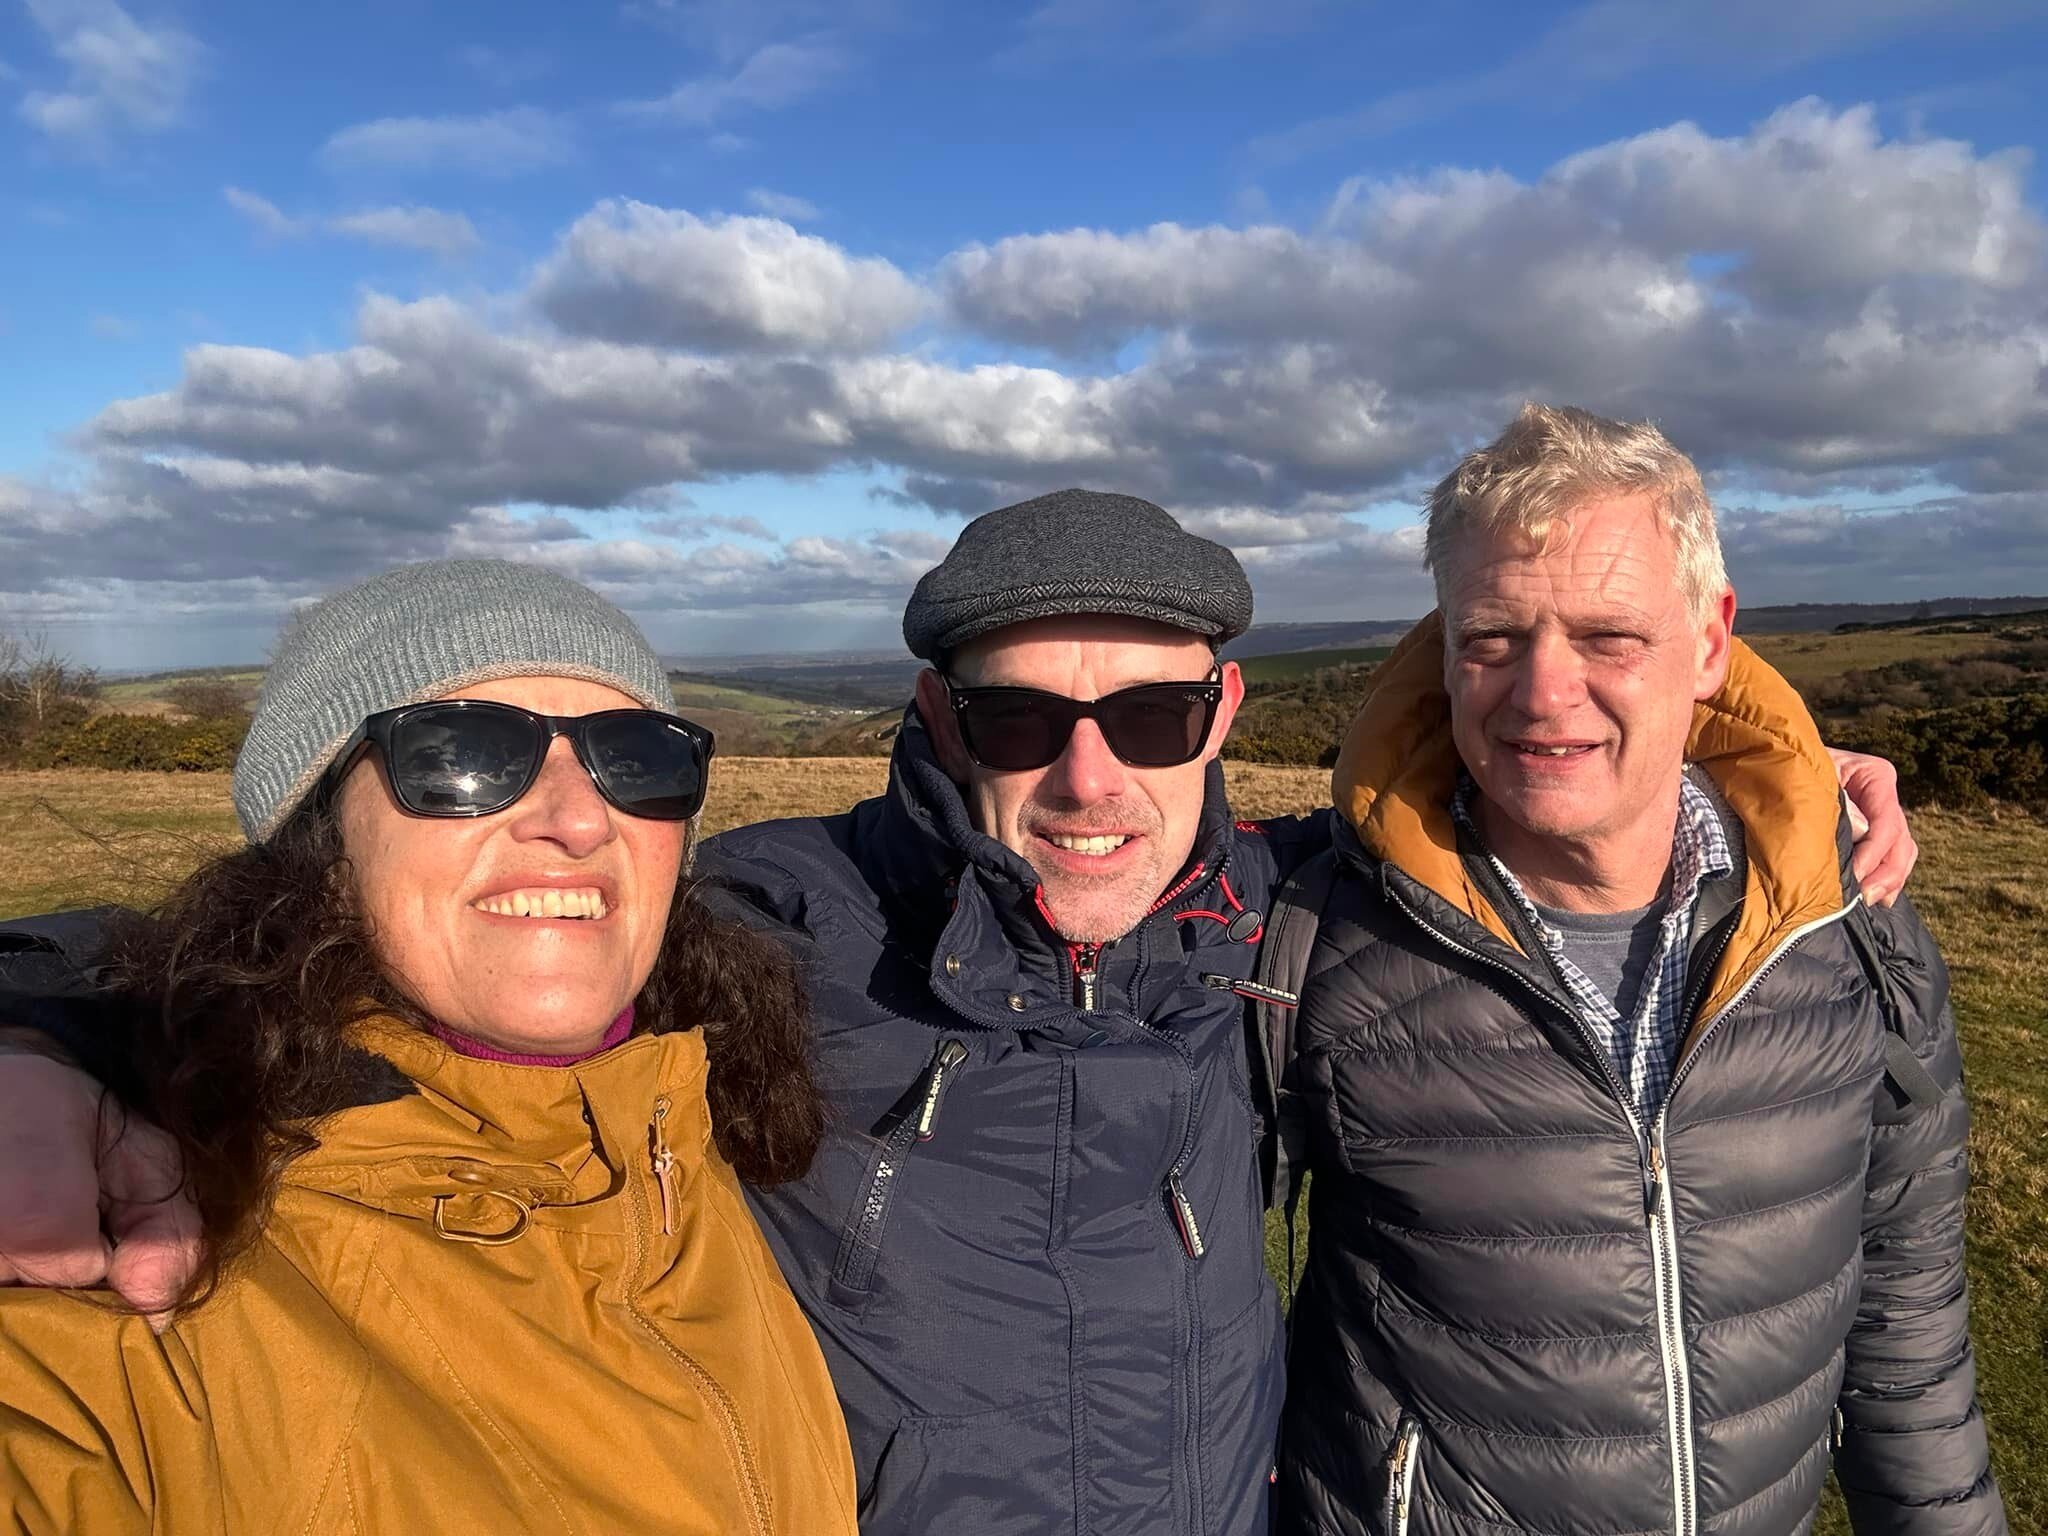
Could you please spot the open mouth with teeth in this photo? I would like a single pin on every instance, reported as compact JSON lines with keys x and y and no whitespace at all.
{"x":584,"y":903}
{"x":1545,"y":749}
{"x":1093,"y":845}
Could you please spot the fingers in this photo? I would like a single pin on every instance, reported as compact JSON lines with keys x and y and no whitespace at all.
{"x":155,"y":1258}
{"x":1885,"y":850}
{"x":152,"y":1221}
{"x":1887,"y":879}
{"x":49,"y":1184}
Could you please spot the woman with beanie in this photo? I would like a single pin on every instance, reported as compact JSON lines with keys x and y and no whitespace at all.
{"x":463,"y":1079}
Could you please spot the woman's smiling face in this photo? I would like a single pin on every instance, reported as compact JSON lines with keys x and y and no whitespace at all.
{"x":443,"y":896}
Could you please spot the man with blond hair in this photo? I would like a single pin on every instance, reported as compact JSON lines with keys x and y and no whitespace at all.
{"x":1638,"y":1137}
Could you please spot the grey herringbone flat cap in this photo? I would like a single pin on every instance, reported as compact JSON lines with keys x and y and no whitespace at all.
{"x":415,"y":633}
{"x":1076,"y":552}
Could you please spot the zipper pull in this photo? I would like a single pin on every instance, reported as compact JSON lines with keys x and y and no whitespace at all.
{"x":951,"y":1054}
{"x":664,"y":1162}
{"x":1087,"y":958}
{"x":1653,"y":1180}
{"x":1401,"y":1471}
{"x":1184,"y":1217}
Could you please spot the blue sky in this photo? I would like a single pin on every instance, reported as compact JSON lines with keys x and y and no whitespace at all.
{"x":735,"y":309}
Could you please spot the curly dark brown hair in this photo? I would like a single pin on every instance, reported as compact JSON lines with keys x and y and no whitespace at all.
{"x":251,"y":973}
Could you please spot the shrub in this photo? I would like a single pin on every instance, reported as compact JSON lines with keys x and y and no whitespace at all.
{"x":146,"y":742}
{"x":208,"y":698}
{"x":1989,"y":749}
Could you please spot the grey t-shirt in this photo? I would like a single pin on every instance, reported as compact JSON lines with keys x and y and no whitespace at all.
{"x":1614,"y":949}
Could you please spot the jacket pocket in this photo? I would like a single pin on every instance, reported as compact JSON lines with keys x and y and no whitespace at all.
{"x":1241,"y":1386}
{"x":1003,"y":1472}
{"x":911,"y":1121}
{"x":1401,"y":1460}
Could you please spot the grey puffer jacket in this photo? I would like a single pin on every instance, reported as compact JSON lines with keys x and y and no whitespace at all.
{"x":1523,"y":1310}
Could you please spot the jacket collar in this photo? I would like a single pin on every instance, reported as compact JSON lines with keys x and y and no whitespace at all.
{"x":1754,"y":740}
{"x":547,"y":1135}
{"x":977,"y":901}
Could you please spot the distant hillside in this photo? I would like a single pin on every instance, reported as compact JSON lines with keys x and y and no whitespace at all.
{"x":1348,"y":634}
{"x":854,"y":680}
{"x":1796,"y":618}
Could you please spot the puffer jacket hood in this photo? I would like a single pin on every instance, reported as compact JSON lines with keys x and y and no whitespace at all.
{"x":478,"y":1306}
{"x":1525,"y":1308}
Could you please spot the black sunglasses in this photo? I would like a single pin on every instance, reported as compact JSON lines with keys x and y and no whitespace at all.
{"x":1154,"y":725}
{"x":474,"y":757}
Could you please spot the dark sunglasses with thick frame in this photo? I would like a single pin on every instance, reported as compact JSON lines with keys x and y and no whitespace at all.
{"x":1154,"y":725}
{"x":476,"y":757}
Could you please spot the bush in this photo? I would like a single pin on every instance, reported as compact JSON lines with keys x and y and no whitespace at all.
{"x":208,"y":698}
{"x":136,"y":742}
{"x":1299,"y":722}
{"x":1990,"y":749}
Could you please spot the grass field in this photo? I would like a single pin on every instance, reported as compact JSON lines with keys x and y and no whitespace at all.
{"x":1293,"y":666}
{"x":78,"y":838}
{"x":1813,"y":658}
{"x":129,"y":693}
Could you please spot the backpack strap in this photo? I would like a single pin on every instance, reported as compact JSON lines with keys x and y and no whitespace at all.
{"x":1275,"y":996}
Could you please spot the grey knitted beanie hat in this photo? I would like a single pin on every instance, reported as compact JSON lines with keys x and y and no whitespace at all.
{"x":416,"y":633}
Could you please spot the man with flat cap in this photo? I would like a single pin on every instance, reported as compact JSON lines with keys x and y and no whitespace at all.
{"x":1032,"y":1247}
{"x":1039,"y":1277}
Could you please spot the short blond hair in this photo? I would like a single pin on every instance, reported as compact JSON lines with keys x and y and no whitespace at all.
{"x":1553,"y":458}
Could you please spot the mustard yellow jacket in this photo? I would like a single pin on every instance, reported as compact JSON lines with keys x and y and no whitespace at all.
{"x":502,"y":1299}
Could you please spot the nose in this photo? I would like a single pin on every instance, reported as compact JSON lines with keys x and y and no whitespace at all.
{"x":1551,"y":679}
{"x":564,"y":807}
{"x":1087,"y":772}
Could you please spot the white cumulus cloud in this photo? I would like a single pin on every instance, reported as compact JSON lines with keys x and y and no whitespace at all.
{"x":630,"y":272}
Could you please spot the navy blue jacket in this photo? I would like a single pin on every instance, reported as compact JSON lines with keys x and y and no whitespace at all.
{"x":1032,"y":1246}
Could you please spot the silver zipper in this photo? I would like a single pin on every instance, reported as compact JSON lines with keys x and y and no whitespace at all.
{"x":1184,"y":1217}
{"x":951,"y":1054}
{"x":1664,"y":1251}
{"x":1084,"y":976}
{"x":1671,"y":1341}
{"x":1663,"y":1247}
{"x":664,"y":1163}
{"x":1401,"y":1473}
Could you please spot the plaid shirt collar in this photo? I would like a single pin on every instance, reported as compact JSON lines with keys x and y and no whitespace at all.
{"x":1643,"y":1048}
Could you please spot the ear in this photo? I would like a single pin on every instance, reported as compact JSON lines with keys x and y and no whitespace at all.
{"x":1716,"y":637}
{"x":937,"y":713}
{"x":1226,"y":712}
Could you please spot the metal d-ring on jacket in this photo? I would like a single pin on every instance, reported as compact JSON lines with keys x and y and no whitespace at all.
{"x":1524,"y":1309}
{"x":1032,"y":1248}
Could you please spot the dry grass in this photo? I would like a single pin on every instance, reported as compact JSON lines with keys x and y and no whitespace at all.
{"x":76,"y":838}
{"x":1813,"y":658}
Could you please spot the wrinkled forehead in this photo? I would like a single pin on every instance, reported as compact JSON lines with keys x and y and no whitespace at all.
{"x":1082,"y":655}
{"x":1599,"y":555}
